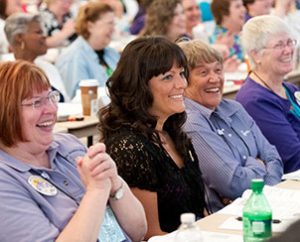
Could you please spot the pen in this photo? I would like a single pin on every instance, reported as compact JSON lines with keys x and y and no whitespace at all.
{"x":72,"y":118}
{"x":274,"y":221}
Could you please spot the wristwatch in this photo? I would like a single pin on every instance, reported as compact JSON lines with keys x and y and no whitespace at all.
{"x":119,"y":193}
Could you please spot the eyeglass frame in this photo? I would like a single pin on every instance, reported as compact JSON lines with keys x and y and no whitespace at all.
{"x":53,"y":97}
{"x":280,"y":46}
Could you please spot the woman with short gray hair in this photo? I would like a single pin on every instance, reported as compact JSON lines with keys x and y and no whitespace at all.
{"x":270,"y":101}
{"x":27,"y":40}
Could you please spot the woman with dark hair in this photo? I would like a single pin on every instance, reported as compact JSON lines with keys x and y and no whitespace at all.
{"x":142,"y":130}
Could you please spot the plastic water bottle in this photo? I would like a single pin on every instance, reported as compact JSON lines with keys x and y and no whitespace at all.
{"x":188,"y":231}
{"x":257,"y":215}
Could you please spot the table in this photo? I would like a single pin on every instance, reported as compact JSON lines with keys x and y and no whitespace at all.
{"x":86,"y":128}
{"x":212,"y":222}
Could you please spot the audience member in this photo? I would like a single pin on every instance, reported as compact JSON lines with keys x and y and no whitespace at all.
{"x":138,"y":22}
{"x":229,"y":16}
{"x":7,"y":8}
{"x":58,"y":22}
{"x":270,"y":101}
{"x":142,"y":129}
{"x":25,"y":35}
{"x":257,"y":7}
{"x":165,"y":18}
{"x":231,"y":149}
{"x":51,"y":187}
{"x":88,"y":57}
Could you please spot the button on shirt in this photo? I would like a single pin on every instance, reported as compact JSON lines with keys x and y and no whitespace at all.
{"x":227,"y":142}
{"x":28,"y":215}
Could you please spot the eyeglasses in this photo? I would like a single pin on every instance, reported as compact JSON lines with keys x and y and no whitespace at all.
{"x":291,"y":43}
{"x":53,"y":98}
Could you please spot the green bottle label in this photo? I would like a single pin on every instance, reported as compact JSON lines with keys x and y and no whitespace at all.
{"x":254,"y":228}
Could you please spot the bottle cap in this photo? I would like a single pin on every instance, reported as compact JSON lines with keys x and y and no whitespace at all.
{"x":257,"y":184}
{"x":187,"y":218}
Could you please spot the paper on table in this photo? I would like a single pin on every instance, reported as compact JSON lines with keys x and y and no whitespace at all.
{"x":69,"y":109}
{"x":292,"y":176}
{"x":207,"y":237}
{"x":285,"y":204}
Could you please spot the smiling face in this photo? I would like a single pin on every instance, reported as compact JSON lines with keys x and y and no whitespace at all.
{"x":101,"y":30}
{"x":34,"y":39}
{"x":167,"y":91}
{"x":236,"y":13}
{"x":276,"y":61}
{"x":178,"y":25}
{"x":206,"y":83}
{"x":38,"y":123}
{"x":192,"y":13}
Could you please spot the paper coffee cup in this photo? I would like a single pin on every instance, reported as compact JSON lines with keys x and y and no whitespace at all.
{"x":89,"y":96}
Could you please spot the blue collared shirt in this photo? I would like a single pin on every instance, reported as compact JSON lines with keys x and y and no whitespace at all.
{"x":227,"y":142}
{"x":28,"y":215}
{"x":79,"y":62}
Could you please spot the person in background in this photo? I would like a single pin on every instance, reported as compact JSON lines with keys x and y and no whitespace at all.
{"x":7,"y":7}
{"x":138,"y":22}
{"x":58,"y":23}
{"x":142,"y":130}
{"x":51,"y":187}
{"x":270,"y":45}
{"x":28,"y":42}
{"x":286,"y":9}
{"x":257,"y":7}
{"x":165,"y":18}
{"x":231,"y":149}
{"x":196,"y":30}
{"x":89,"y":56}
{"x":229,"y":16}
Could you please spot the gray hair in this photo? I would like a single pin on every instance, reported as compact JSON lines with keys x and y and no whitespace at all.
{"x":259,"y":30}
{"x":17,"y":24}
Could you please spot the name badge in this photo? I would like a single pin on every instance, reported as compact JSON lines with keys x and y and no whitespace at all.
{"x":42,"y":186}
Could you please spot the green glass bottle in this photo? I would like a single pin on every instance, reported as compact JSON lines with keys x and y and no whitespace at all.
{"x":257,"y":215}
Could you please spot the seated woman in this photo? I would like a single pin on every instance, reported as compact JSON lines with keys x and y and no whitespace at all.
{"x":142,"y":131}
{"x":231,"y":149}
{"x":229,"y":16}
{"x":25,"y":36}
{"x":88,"y":57}
{"x":51,"y":187}
{"x":270,"y":101}
{"x":165,"y":18}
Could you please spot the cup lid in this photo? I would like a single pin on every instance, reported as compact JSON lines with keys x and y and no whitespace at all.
{"x":89,"y":83}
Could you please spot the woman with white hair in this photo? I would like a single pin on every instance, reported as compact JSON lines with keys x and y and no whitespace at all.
{"x":271,"y":102}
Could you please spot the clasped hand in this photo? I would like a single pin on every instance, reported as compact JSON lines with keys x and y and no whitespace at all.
{"x":97,"y":169}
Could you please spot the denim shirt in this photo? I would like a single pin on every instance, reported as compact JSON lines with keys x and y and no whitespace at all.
{"x":227,"y":142}
{"x":79,"y":61}
{"x":29,"y":215}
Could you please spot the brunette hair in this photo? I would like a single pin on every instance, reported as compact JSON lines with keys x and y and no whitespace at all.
{"x":19,"y":79}
{"x":219,"y":9}
{"x":130,"y":95}
{"x":159,"y":17}
{"x":90,"y":12}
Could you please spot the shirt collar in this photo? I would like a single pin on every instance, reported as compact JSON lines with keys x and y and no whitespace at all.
{"x":23,"y":167}
{"x":225,"y":109}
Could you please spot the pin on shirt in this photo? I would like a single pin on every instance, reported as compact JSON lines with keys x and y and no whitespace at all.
{"x":42,"y":186}
{"x":220,"y":131}
{"x":245,"y":133}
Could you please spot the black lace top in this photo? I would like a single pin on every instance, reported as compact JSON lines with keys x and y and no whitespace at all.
{"x":148,"y":166}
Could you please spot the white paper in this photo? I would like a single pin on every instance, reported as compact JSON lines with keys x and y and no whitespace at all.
{"x":69,"y":109}
{"x":207,"y":237}
{"x":292,"y":176}
{"x":285,"y":204}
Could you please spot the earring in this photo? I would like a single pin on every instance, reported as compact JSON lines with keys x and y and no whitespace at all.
{"x":22,"y":45}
